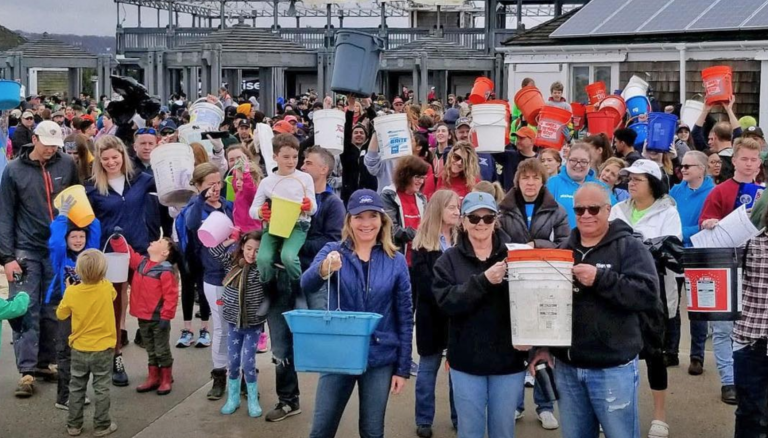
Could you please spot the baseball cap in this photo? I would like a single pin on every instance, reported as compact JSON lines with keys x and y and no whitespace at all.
{"x":451,"y":116}
{"x":753,"y":131}
{"x":643,"y":166}
{"x":365,"y":200}
{"x":16,"y":114}
{"x":397,"y":99}
{"x":58,"y":114}
{"x":477,"y":200}
{"x":526,"y":132}
{"x":168,"y":124}
{"x":49,"y":133}
{"x":683,"y":126}
{"x":463,"y":121}
{"x":27,"y":115}
{"x":283,"y":127}
{"x":244,"y":124}
{"x":291,"y":119}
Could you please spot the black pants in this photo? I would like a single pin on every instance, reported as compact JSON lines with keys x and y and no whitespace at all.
{"x":657,"y":370}
{"x":191,"y":284}
{"x":63,"y":360}
{"x":750,"y":372}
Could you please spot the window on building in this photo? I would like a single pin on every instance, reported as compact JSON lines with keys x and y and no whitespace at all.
{"x":583,"y":75}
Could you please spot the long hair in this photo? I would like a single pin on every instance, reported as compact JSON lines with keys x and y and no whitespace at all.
{"x":428,"y":234}
{"x":237,"y":256}
{"x":84,"y":157}
{"x":199,"y":152}
{"x":384,"y":237}
{"x":103,"y":144}
{"x":471,"y":164}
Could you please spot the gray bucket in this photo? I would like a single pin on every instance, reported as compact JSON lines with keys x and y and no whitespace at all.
{"x":356,"y":63}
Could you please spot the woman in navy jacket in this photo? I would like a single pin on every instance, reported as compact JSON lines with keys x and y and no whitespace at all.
{"x":374,"y":278}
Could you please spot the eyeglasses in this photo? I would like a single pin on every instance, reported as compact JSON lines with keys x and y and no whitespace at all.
{"x":143,"y":131}
{"x":583,"y":163}
{"x":475,"y":219}
{"x":636,"y":180}
{"x":421,"y":177}
{"x":593,"y":210}
{"x":28,"y":118}
{"x":688,"y":166}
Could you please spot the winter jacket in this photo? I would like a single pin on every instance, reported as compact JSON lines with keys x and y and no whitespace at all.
{"x":549,"y":225}
{"x":606,"y":315}
{"x":61,"y":257}
{"x":387,"y":292}
{"x":394,"y":209}
{"x":27,"y":192}
{"x":506,"y":165}
{"x":431,"y":322}
{"x":243,"y":200}
{"x":129,"y":211}
{"x":13,"y":307}
{"x":381,"y":169}
{"x":620,"y":194}
{"x":563,"y":188}
{"x":689,"y":205}
{"x":356,"y":175}
{"x":721,"y":201}
{"x":198,"y":211}
{"x":487,"y":167}
{"x":243,"y":296}
{"x":326,"y":226}
{"x":480,"y":331}
{"x":154,"y":290}
{"x":661,"y":219}
{"x":22,"y":136}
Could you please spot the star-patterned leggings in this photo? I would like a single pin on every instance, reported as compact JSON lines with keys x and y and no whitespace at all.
{"x":241,"y":351}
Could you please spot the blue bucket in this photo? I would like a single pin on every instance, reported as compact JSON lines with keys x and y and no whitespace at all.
{"x":356,"y":63}
{"x":335,"y":342}
{"x":661,"y":131}
{"x":10,"y":94}
{"x":638,"y":105}
{"x":642,"y":133}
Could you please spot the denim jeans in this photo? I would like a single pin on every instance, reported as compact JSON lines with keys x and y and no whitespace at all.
{"x":750,"y":366}
{"x":429,"y":366}
{"x":542,"y":404}
{"x":333,"y":392}
{"x":723,"y":346}
{"x":486,"y":401}
{"x":698,"y":339}
{"x":99,"y":365}
{"x":590,"y":397}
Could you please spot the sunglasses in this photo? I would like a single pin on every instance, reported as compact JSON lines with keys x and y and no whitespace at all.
{"x":28,"y":118}
{"x":143,"y":131}
{"x":475,"y":219}
{"x":458,"y":158}
{"x":688,"y":166}
{"x":593,"y":210}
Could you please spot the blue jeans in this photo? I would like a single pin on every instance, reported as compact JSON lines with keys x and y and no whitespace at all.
{"x":750,"y":366}
{"x":333,"y":392}
{"x":698,"y":339}
{"x":241,"y":351}
{"x":542,"y":404}
{"x":723,"y":346}
{"x":590,"y":397}
{"x":486,"y":400}
{"x":429,"y":366}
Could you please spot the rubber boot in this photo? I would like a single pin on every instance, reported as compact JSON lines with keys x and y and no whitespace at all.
{"x":233,"y":397}
{"x":166,"y":380}
{"x":219,"y":376}
{"x":153,"y":380}
{"x":254,"y":410}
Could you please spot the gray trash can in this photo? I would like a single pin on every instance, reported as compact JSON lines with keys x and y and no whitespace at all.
{"x":356,"y":63}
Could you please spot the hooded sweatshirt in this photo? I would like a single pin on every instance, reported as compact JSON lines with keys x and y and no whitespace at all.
{"x":661,"y":219}
{"x":563,"y":188}
{"x":63,"y":258}
{"x":690,"y":202}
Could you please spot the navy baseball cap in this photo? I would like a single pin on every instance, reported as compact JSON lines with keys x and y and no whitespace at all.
{"x":364,"y":200}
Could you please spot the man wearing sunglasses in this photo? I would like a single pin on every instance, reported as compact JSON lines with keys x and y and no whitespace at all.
{"x":23,"y":133}
{"x":614,"y":281}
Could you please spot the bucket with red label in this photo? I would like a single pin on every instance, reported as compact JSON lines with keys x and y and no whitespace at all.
{"x":713,"y":283}
{"x":553,"y":122}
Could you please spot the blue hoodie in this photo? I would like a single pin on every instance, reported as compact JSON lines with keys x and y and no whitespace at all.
{"x":563,"y":188}
{"x":61,"y":258}
{"x":689,"y":205}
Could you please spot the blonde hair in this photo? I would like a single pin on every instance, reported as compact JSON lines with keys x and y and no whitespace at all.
{"x":199,"y":152}
{"x":384,"y":237}
{"x":613,"y":161}
{"x":99,"y":177}
{"x":201,"y":172}
{"x":746,"y":143}
{"x":492,"y":188}
{"x":471,"y":164}
{"x":428,"y":234}
{"x":91,"y":266}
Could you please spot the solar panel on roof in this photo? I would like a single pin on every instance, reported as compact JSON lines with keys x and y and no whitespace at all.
{"x":589,"y":17}
{"x":726,"y":14}
{"x":676,"y":16}
{"x":760,"y":19}
{"x":631,"y":17}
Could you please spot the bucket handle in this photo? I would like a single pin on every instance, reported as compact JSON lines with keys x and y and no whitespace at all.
{"x":338,"y":294}
{"x":205,"y":99}
{"x":508,"y":278}
{"x":293,"y":178}
{"x":103,"y":250}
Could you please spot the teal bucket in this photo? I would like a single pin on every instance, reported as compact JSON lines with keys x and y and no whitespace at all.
{"x":356,"y":63}
{"x":661,"y":131}
{"x":10,"y":94}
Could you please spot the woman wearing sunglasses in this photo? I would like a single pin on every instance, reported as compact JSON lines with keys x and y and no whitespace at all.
{"x":488,"y":373}
{"x":651,"y":212}
{"x":461,"y":170}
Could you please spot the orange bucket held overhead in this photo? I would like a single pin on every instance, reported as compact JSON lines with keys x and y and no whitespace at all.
{"x":579,"y":115}
{"x":717,"y":83}
{"x":530,"y":102}
{"x":614,"y":105}
{"x":552,"y":122}
{"x":596,"y":92}
{"x":601,"y":122}
{"x":481,"y":90}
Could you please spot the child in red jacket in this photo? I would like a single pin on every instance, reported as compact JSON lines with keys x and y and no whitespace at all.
{"x":154,"y":296}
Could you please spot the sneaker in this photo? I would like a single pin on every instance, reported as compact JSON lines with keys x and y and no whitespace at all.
{"x":119,"y":376}
{"x":65,"y":406}
{"x":185,"y":340}
{"x":48,"y":374}
{"x":424,"y":431}
{"x":518,"y":415}
{"x":204,"y":340}
{"x":696,"y":368}
{"x":659,"y":429}
{"x":529,"y":380}
{"x":728,"y":394}
{"x":74,"y":431}
{"x":124,"y":341}
{"x":262,"y":346}
{"x":548,"y":420}
{"x":104,"y":432}
{"x":26,"y":387}
{"x":282,"y":411}
{"x":414,"y":368}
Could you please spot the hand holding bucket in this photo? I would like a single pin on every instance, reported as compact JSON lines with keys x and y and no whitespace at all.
{"x":284,"y":211}
{"x":215,"y":229}
{"x":79,"y":210}
{"x":117,"y":262}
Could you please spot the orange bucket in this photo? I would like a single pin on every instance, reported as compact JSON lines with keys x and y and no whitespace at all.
{"x":596,"y":92}
{"x":579,"y":114}
{"x":550,"y":255}
{"x":717,"y":83}
{"x":552,"y":122}
{"x":615,"y":105}
{"x":481,"y":90}
{"x":530,"y":102}
{"x":601,"y":122}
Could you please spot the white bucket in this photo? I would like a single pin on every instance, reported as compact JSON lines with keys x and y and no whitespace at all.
{"x":490,"y":124}
{"x":394,"y":136}
{"x":202,"y":112}
{"x":172,"y":165}
{"x":329,"y":130}
{"x":117,"y":266}
{"x":690,"y":112}
{"x":541,"y":302}
{"x":635,"y":87}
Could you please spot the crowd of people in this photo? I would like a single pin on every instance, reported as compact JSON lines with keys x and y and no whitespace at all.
{"x":420,"y":240}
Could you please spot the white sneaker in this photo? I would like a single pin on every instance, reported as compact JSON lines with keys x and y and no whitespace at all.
{"x":529,"y":380}
{"x":659,"y":429}
{"x":518,"y":415}
{"x":548,"y":420}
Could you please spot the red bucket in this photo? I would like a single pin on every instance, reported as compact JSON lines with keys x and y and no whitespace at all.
{"x":717,"y":84}
{"x":552,"y":123}
{"x":530,"y":102}
{"x":614,"y":105}
{"x":596,"y":92}
{"x":481,"y":90}
{"x":601,"y":122}
{"x":579,"y":114}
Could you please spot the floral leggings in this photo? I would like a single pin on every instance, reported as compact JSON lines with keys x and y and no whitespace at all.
{"x":241,"y":351}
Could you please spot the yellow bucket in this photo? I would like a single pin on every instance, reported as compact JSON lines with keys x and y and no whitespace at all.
{"x":285,"y":213}
{"x":81,"y":213}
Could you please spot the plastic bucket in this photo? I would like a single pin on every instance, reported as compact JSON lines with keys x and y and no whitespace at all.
{"x":690,"y":112}
{"x":530,"y":102}
{"x":173,"y":164}
{"x":641,"y":128}
{"x":334,"y":342}
{"x":393,"y":136}
{"x":356,"y":63}
{"x":489,"y":122}
{"x":596,"y":92}
{"x":638,"y":105}
{"x":481,"y":90}
{"x":552,"y":123}
{"x":601,"y":122}
{"x":661,"y":131}
{"x":10,"y":94}
{"x":117,"y":264}
{"x":540,"y":296}
{"x":616,"y":106}
{"x":285,"y":213}
{"x":713,"y":283}
{"x":329,"y":130}
{"x":215,"y":229}
{"x":204,"y":113}
{"x":635,"y":87}
{"x":81,"y":213}
{"x":230,"y":195}
{"x":717,"y":84}
{"x":579,"y":115}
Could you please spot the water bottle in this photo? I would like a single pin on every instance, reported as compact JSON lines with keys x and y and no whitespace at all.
{"x":545,"y":380}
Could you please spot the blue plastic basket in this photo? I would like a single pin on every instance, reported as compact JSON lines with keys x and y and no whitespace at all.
{"x":10,"y":94}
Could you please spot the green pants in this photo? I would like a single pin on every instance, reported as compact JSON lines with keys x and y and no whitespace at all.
{"x":289,"y":254}
{"x":156,"y":336}
{"x":84,"y":364}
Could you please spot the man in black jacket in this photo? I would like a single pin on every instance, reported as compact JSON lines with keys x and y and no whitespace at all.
{"x":23,"y":133}
{"x":356,"y":140}
{"x":614,"y":281}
